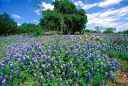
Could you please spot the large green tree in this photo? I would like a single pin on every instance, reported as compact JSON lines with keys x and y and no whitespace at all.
{"x":65,"y":17}
{"x":7,"y":24}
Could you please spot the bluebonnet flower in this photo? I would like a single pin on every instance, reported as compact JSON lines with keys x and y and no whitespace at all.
{"x":2,"y":66}
{"x":11,"y":75}
{"x":4,"y":81}
{"x":18,"y":72}
{"x":89,"y":77}
{"x":109,"y":75}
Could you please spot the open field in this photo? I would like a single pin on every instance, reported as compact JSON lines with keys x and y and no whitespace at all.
{"x":64,"y":60}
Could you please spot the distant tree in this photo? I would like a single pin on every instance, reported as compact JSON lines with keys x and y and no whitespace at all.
{"x":28,"y":28}
{"x":109,"y":30}
{"x":65,"y":17}
{"x":7,"y":24}
{"x":125,"y":32}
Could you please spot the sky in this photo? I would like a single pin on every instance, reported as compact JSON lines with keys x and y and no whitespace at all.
{"x":103,"y":13}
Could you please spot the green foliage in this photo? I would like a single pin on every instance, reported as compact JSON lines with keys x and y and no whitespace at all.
{"x":120,"y":42}
{"x":27,"y":28}
{"x":64,"y":6}
{"x":51,"y":20}
{"x":30,"y":29}
{"x":122,"y":57}
{"x":38,"y":31}
{"x":63,"y":73}
{"x":109,"y":30}
{"x":125,"y":32}
{"x":65,"y":17}
{"x":88,"y":30}
{"x":118,"y":54}
{"x":14,"y":79}
{"x":7,"y":25}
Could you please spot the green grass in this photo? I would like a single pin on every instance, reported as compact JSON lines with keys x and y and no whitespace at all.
{"x":118,"y":42}
{"x":118,"y":54}
{"x":122,"y":57}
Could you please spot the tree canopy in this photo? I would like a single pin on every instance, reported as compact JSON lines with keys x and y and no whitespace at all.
{"x":109,"y":30}
{"x":7,"y":24}
{"x":65,"y":17}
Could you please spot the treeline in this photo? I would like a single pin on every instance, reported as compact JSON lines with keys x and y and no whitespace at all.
{"x":98,"y":30}
{"x":8,"y":27}
{"x":124,"y":32}
{"x":64,"y":18}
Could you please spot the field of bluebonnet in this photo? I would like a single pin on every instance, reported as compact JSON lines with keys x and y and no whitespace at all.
{"x":64,"y":60}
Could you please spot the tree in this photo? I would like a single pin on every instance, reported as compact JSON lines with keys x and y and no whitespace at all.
{"x":109,"y":30}
{"x":65,"y":17}
{"x":64,"y":6}
{"x":7,"y":24}
{"x":51,"y":20}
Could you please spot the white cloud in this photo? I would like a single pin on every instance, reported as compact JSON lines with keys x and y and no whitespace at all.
{"x":16,"y":16}
{"x":102,"y":4}
{"x":46,"y":6}
{"x":106,"y":3}
{"x":109,"y":18}
{"x":81,"y":4}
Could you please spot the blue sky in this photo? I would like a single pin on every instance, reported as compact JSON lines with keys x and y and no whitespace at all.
{"x":104,"y":13}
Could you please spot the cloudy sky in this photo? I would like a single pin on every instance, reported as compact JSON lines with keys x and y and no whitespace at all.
{"x":104,"y":13}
